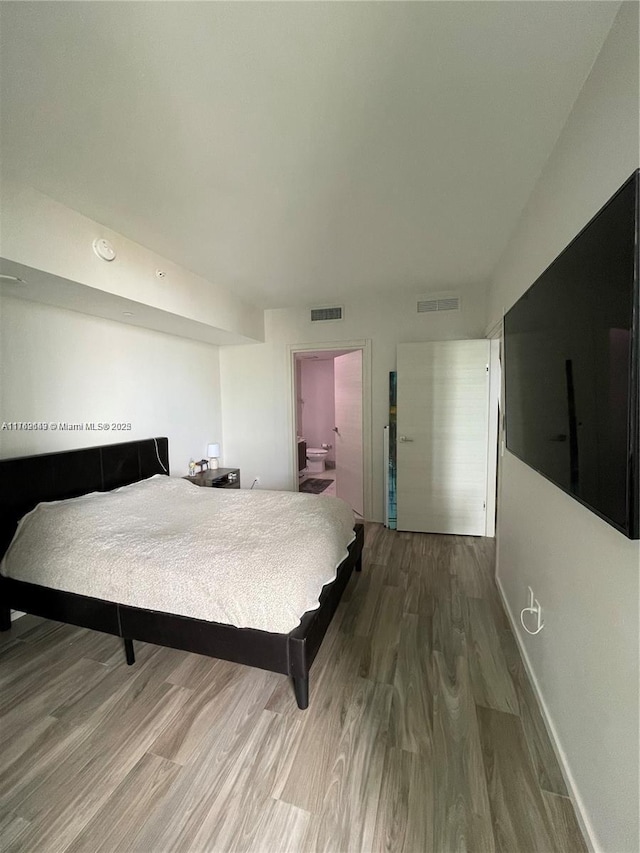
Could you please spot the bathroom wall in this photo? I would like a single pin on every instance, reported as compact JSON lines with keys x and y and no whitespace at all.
{"x":318,"y":408}
{"x":299,"y":432}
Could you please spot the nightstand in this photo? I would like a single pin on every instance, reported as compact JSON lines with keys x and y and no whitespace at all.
{"x":217,"y":478}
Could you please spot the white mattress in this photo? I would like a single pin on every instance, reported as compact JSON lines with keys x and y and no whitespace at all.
{"x":252,"y":559}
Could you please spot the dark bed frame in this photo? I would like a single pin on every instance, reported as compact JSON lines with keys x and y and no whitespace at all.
{"x":28,"y":480}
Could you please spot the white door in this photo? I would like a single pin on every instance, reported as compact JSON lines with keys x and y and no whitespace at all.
{"x":348,"y":437}
{"x":442,"y":436}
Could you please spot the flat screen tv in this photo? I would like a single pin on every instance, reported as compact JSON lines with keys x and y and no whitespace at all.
{"x":571,"y":347}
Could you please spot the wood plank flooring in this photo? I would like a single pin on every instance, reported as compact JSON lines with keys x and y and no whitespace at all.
{"x":423,"y":734}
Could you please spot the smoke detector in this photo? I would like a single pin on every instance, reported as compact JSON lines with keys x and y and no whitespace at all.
{"x":104,"y":249}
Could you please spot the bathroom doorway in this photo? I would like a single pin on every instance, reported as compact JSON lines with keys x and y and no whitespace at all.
{"x":331,"y":421}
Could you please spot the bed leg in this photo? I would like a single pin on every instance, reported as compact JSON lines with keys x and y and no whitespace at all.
{"x":5,"y":618}
{"x":359,"y":564}
{"x":301,"y":687}
{"x":128,"y":650}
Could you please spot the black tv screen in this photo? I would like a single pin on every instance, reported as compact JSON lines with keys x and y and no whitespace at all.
{"x":571,"y":366}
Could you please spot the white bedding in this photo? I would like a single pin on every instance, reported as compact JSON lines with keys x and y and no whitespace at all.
{"x":253,"y":559}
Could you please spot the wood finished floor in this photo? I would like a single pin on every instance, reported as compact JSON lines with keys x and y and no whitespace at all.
{"x":422,"y":734}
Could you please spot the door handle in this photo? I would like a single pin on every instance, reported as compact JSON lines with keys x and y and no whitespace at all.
{"x":404,"y":438}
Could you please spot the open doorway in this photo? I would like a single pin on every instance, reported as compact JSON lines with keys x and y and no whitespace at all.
{"x":331,"y":422}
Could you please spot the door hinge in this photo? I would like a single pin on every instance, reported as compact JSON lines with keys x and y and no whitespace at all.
{"x":486,"y":369}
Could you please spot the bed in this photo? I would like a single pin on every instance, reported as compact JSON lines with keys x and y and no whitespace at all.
{"x":28,"y":481}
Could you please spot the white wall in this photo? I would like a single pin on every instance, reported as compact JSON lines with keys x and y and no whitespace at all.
{"x":318,"y":408}
{"x":59,"y":365}
{"x":583,"y":572}
{"x":41,"y":233}
{"x":256,"y":392}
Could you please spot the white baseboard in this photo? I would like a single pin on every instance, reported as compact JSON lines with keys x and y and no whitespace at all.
{"x":576,"y":799}
{"x":16,"y":614}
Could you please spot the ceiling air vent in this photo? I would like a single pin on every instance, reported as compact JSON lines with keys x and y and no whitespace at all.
{"x":318,"y":314}
{"x":446,"y":303}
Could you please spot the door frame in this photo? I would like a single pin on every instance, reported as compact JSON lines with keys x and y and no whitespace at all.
{"x":365,"y":347}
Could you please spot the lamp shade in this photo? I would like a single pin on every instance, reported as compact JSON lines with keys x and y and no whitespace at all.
{"x":213,"y":451}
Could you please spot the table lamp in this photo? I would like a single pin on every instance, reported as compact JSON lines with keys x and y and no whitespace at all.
{"x":213,"y":452}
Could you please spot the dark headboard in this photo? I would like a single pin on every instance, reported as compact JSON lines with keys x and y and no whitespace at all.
{"x":25,"y":481}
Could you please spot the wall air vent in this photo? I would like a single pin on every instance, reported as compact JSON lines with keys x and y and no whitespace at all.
{"x":445,"y":303}
{"x":320,"y":314}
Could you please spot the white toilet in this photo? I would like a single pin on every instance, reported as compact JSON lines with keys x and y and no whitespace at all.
{"x":315,"y":459}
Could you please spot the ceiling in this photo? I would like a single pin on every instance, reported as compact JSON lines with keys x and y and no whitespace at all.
{"x":297,"y":153}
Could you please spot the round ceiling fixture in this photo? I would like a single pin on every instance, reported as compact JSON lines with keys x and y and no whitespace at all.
{"x":104,"y":249}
